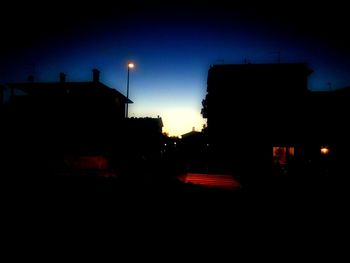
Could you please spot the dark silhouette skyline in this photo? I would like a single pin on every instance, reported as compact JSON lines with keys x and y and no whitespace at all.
{"x":265,"y":109}
{"x":268,"y":172}
{"x":172,"y":45}
{"x":275,"y":123}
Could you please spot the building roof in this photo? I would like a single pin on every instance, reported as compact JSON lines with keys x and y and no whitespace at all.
{"x":269,"y":66}
{"x":189,"y":134}
{"x":92,"y":88}
{"x":74,"y":88}
{"x":146,"y":121}
{"x":287,"y":79}
{"x":260,"y":71}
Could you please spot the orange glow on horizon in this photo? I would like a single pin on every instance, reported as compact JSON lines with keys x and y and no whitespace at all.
{"x":177,"y":120}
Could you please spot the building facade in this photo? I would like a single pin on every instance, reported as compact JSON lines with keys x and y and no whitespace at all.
{"x":48,"y":121}
{"x":260,"y":116}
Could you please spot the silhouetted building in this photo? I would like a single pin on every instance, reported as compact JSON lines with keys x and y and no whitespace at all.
{"x":55,"y":119}
{"x":328,"y":131}
{"x":194,"y":148}
{"x":260,"y":114}
{"x":144,"y":136}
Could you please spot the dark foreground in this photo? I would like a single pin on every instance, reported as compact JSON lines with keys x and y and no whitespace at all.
{"x":183,"y":195}
{"x":284,"y":219}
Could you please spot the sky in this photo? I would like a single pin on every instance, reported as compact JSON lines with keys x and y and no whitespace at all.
{"x":173,"y":44}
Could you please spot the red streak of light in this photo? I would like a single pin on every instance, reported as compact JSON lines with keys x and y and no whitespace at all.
{"x":211,"y":180}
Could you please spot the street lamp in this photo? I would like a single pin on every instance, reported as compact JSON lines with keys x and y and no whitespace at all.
{"x":130,"y":65}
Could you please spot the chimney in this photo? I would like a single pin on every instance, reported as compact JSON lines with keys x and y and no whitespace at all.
{"x":62,"y":77}
{"x":95,"y":75}
{"x":30,"y":78}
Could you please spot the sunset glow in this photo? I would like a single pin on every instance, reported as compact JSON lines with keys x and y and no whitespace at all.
{"x":173,"y":46}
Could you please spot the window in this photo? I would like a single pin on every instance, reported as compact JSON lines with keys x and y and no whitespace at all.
{"x":281,"y":154}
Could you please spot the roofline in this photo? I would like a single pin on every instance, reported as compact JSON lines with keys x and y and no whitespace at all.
{"x":13,"y":84}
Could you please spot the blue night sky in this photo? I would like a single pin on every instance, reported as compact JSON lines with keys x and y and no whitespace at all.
{"x":172,"y":46}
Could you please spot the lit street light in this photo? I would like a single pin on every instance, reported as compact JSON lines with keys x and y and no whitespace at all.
{"x":130,"y":65}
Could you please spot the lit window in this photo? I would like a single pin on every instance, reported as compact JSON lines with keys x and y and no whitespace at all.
{"x":324,"y":150}
{"x":282,"y":154}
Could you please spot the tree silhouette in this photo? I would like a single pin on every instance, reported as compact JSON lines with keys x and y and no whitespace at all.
{"x":204,"y":110}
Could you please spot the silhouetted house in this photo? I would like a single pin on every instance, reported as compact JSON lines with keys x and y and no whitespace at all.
{"x":194,"y":149}
{"x":190,"y":134}
{"x":59,"y":118}
{"x":327,"y":114}
{"x":263,"y":114}
{"x":251,"y":108}
{"x":144,"y":136}
{"x":193,"y":143}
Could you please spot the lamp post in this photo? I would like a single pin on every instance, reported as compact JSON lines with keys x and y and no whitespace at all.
{"x":130,"y":65}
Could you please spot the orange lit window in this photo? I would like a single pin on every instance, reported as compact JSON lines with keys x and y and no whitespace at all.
{"x":282,"y":154}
